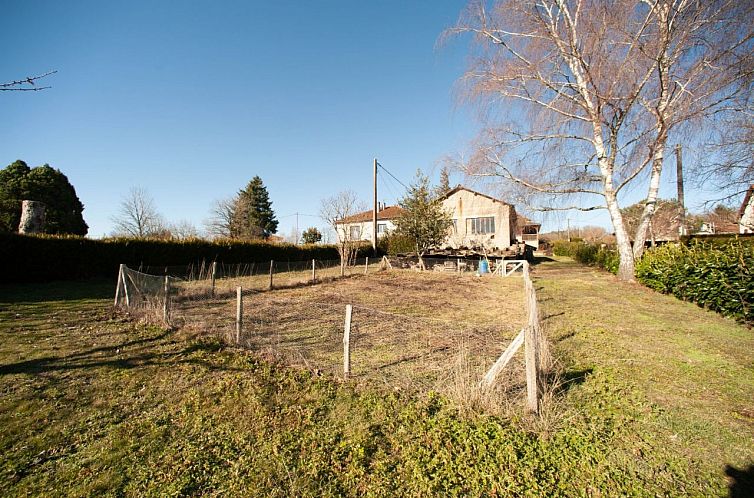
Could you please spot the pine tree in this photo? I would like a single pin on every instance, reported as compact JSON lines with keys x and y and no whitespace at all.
{"x":253,"y":215}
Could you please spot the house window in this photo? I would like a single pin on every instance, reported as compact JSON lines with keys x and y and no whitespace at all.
{"x":381,"y":228}
{"x":355,"y":233}
{"x":455,"y":226}
{"x":480,"y":225}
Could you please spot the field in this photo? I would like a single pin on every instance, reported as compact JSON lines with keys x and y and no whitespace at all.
{"x":653,"y":397}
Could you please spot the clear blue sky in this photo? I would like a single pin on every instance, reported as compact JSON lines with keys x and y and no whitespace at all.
{"x":191,"y":99}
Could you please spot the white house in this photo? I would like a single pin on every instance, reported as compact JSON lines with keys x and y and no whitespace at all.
{"x":359,"y":225}
{"x":746,"y":213}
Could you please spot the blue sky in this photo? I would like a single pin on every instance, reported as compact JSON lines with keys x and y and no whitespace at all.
{"x":191,"y":99}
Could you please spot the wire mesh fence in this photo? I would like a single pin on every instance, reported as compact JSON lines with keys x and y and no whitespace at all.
{"x":409,"y":331}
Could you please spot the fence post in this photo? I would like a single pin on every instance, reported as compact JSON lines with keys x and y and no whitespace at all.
{"x":531,"y":343}
{"x":214,"y":271}
{"x":272,"y":266}
{"x":125,"y":287}
{"x":314,"y":271}
{"x":458,"y":265}
{"x":366,"y":266}
{"x":347,"y":343}
{"x":118,"y":284}
{"x":239,"y":314}
{"x":166,"y":305}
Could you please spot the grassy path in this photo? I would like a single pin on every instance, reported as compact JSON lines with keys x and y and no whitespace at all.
{"x":691,"y":370}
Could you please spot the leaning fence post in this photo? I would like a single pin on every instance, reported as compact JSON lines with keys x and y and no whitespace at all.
{"x":125,"y":287}
{"x":214,"y":271}
{"x":166,"y":305}
{"x":314,"y":271}
{"x":366,"y":266}
{"x":239,"y":314}
{"x":117,"y":286}
{"x":347,"y":343}
{"x":272,"y":266}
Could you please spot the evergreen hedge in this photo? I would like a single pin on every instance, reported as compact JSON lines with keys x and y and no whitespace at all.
{"x":717,"y":274}
{"x":605,"y":257}
{"x":38,"y":258}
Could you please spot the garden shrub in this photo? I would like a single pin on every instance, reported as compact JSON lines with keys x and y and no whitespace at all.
{"x":714,"y":274}
{"x":603,"y":256}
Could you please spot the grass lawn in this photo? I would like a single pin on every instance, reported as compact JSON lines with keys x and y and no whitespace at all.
{"x":654,"y":398}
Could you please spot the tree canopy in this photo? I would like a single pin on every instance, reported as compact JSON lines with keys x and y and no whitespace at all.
{"x":311,"y":236}
{"x":253,"y":217}
{"x":19,"y":182}
{"x":423,"y":219}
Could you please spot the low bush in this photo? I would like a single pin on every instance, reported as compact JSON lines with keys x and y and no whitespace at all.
{"x":393,"y":243}
{"x":604,"y":256}
{"x":25,"y":258}
{"x":715,"y":275}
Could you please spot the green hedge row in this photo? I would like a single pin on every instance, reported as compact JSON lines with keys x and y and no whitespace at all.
{"x":714,"y":274}
{"x":605,"y":257}
{"x":25,"y":258}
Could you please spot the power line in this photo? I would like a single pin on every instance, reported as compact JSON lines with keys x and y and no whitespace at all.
{"x":394,"y":177}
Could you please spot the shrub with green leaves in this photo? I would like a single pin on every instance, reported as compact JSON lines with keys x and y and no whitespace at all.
{"x":589,"y":254}
{"x":718,"y":276}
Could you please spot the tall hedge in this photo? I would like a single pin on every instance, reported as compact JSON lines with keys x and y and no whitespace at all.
{"x":35,"y":258}
{"x":715,"y":274}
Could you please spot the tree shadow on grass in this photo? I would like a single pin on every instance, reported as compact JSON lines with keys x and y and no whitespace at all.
{"x":144,"y":355}
{"x":99,"y":288}
{"x":741,"y":481}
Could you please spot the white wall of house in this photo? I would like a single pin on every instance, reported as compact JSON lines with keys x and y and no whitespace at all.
{"x":480,"y":221}
{"x":746,"y":223}
{"x":363,"y":230}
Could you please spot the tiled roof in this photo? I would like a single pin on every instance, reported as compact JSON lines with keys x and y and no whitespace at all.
{"x":461,"y":187}
{"x":388,"y":213}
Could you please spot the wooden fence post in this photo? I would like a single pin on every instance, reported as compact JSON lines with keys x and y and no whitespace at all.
{"x":314,"y":271}
{"x":272,"y":267}
{"x":239,"y":314}
{"x":531,"y":343}
{"x":125,"y":287}
{"x":166,"y":304}
{"x":118,"y":284}
{"x":214,"y":272}
{"x":347,"y":343}
{"x":366,"y":266}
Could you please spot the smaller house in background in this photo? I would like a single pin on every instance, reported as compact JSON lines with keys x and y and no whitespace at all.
{"x":527,"y":231}
{"x":359,"y":225}
{"x":746,"y":213}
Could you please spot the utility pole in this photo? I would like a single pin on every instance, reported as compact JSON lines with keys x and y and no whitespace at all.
{"x":374,"y":211}
{"x":679,"y":175}
{"x":568,"y":222}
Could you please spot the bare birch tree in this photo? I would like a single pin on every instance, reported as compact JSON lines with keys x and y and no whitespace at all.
{"x":585,"y":94}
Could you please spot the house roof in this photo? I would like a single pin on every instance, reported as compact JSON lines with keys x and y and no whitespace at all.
{"x":388,"y":213}
{"x":458,"y":188}
{"x":522,"y":221}
{"x":747,"y":199}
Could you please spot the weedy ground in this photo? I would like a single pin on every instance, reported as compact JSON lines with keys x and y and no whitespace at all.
{"x":653,"y":397}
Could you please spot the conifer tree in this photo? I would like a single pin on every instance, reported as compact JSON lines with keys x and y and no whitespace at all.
{"x":253,"y":215}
